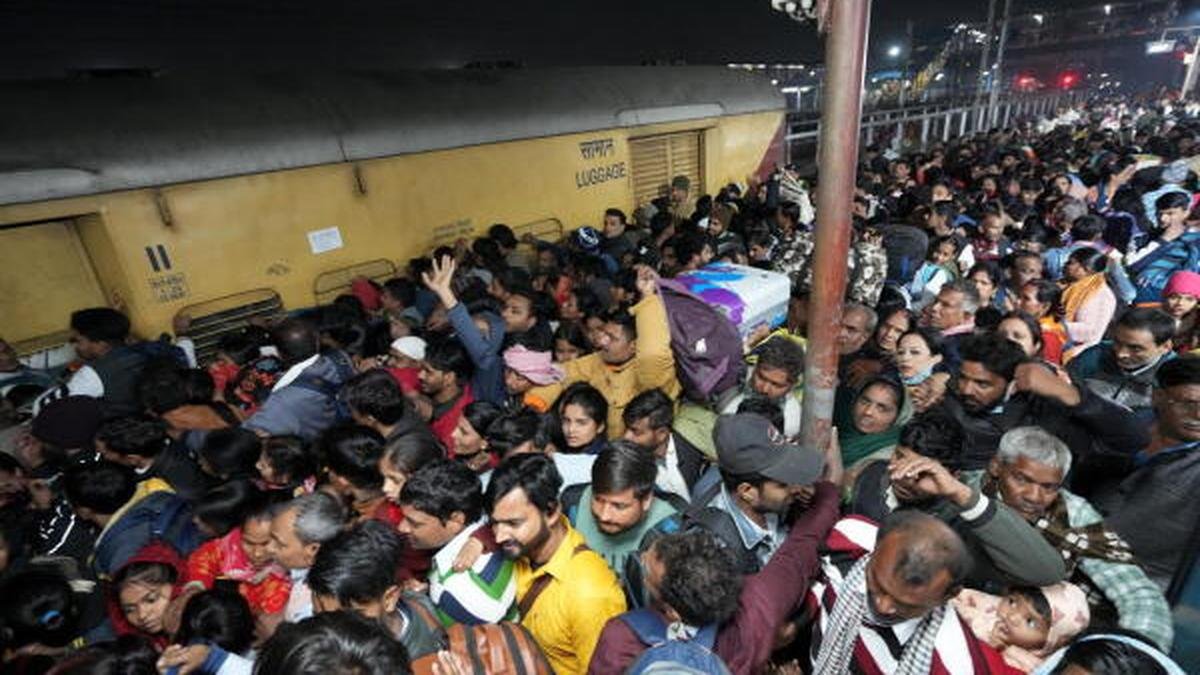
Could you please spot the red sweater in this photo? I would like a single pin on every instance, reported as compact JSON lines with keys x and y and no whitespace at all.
{"x":768,"y":598}
{"x":443,"y":425}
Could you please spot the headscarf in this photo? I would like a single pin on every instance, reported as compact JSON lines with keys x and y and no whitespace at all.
{"x":538,"y":367}
{"x":156,"y":551}
{"x":857,"y":445}
{"x":1184,"y":283}
{"x":1069,"y":616}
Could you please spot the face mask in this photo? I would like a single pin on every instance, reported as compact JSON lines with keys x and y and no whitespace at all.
{"x":918,"y":378}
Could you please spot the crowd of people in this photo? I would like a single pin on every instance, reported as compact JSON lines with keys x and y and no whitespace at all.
{"x":496,"y":462}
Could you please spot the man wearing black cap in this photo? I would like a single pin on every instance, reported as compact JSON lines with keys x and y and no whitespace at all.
{"x":760,"y":477}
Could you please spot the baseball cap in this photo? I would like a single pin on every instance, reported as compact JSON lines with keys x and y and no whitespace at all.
{"x":588,"y":239}
{"x":410,"y":346}
{"x":748,"y":444}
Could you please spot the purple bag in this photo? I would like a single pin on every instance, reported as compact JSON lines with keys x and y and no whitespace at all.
{"x":706,"y":345}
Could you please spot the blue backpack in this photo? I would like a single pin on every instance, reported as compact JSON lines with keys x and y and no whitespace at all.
{"x":1152,"y":272}
{"x":344,"y":368}
{"x":672,"y":656}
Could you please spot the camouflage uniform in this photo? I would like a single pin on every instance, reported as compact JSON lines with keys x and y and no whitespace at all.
{"x":866,"y":262}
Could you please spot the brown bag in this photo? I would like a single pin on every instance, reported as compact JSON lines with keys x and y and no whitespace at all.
{"x":492,"y":649}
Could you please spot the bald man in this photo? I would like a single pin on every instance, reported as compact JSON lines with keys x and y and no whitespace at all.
{"x":890,"y":607}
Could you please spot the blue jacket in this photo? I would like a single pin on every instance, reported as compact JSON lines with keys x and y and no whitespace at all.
{"x":154,"y":512}
{"x":485,"y":352}
{"x":300,"y":410}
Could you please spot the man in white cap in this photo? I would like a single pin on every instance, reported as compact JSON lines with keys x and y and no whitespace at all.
{"x":404,"y":362}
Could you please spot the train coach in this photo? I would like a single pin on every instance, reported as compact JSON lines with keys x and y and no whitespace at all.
{"x":227,"y":197}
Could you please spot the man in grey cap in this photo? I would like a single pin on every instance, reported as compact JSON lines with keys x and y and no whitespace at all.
{"x":747,"y":500}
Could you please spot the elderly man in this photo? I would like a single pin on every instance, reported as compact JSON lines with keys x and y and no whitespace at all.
{"x":298,"y":529}
{"x":1027,"y":475}
{"x":888,"y":611}
{"x":952,"y":314}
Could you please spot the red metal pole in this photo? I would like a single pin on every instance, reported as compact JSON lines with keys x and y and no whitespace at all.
{"x":845,"y":61}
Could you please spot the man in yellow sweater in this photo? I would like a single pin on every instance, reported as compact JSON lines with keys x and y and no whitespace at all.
{"x":633,"y":355}
{"x":565,"y":591}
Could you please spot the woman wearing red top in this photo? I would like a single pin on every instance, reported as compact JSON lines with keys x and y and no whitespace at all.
{"x":241,"y":556}
{"x":1039,"y":299}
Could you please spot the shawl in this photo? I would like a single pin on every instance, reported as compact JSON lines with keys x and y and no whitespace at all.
{"x":1088,"y":541}
{"x":857,"y":445}
{"x":1078,"y":293}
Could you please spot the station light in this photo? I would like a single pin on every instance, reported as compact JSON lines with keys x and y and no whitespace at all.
{"x":1160,"y":46}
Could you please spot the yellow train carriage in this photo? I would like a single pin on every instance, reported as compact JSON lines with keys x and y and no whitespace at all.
{"x":227,"y":198}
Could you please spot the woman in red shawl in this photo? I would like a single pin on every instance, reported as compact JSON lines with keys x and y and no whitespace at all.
{"x":241,"y":556}
{"x":148,"y":595}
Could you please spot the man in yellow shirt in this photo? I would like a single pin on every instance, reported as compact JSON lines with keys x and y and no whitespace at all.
{"x":633,"y":354}
{"x":565,"y":591}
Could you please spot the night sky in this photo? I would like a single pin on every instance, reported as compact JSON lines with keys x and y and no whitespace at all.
{"x":45,"y":38}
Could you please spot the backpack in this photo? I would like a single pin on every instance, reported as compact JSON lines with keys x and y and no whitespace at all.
{"x":490,"y":649}
{"x":665,"y":655}
{"x":160,"y":351}
{"x":328,"y":388}
{"x":1151,"y":276}
{"x":706,"y":345}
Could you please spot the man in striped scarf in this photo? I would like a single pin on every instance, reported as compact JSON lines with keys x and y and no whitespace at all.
{"x":883,"y":606}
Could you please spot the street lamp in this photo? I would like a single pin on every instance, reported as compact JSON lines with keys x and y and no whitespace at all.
{"x":893,"y":51}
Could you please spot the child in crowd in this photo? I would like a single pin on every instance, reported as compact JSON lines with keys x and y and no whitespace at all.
{"x":1179,"y":299}
{"x":938,"y":268}
{"x":525,"y":369}
{"x":1026,"y":624}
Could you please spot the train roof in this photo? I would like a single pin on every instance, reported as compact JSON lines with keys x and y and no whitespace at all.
{"x":77,"y":137}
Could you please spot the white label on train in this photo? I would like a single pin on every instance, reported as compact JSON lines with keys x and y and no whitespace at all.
{"x":328,"y":239}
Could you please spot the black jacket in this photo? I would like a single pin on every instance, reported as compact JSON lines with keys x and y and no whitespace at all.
{"x":692,"y":462}
{"x":1102,"y":435}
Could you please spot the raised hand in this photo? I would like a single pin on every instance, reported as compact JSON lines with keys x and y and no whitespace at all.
{"x":440,"y":278}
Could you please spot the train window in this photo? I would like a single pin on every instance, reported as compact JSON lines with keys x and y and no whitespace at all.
{"x":215,"y":318}
{"x":38,"y":298}
{"x":656,"y":160}
{"x":329,"y":285}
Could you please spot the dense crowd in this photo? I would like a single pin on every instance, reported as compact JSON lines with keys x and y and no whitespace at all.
{"x":509,"y":458}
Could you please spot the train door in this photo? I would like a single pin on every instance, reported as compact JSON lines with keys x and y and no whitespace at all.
{"x":655,"y":160}
{"x":45,"y":274}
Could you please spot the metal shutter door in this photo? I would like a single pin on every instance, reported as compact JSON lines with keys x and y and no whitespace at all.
{"x":658,"y":159}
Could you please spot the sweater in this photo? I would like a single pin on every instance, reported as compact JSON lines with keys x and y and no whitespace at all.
{"x":616,"y":548}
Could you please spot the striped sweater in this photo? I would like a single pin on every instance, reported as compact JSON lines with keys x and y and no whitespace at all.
{"x":879,"y":649}
{"x":485,"y":593}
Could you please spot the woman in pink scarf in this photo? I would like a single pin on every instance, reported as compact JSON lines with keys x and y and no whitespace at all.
{"x":525,"y":369}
